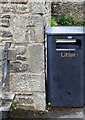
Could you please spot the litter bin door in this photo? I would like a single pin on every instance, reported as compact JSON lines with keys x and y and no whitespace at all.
{"x":65,"y":76}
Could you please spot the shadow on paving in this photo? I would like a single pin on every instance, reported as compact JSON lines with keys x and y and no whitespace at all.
{"x":52,"y":114}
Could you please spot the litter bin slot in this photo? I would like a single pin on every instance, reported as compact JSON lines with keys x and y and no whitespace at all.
{"x":65,"y":49}
{"x":68,"y":45}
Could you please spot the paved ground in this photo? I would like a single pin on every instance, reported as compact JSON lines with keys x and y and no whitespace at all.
{"x":52,"y":114}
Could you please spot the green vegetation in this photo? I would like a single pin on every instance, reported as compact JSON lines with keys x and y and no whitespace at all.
{"x":49,"y":103}
{"x":14,"y":105}
{"x":66,"y":21}
{"x":53,"y":22}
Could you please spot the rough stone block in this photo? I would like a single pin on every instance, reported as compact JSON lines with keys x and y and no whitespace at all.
{"x":21,"y":31}
{"x":6,"y":34}
{"x":48,"y":7}
{"x":19,"y":1}
{"x":16,"y":8}
{"x":47,"y":15}
{"x":37,"y":7}
{"x":18,"y":67}
{"x":35,"y":34}
{"x":40,"y":101}
{"x":5,"y":20}
{"x":5,"y":16}
{"x":35,"y":58}
{"x":47,"y":19}
{"x":3,"y":1}
{"x":40,"y":7}
{"x":20,"y":50}
{"x":34,"y":101}
{"x":29,"y":59}
{"x":21,"y":58}
{"x":27,"y":82}
{"x":29,"y":20}
{"x":25,"y":99}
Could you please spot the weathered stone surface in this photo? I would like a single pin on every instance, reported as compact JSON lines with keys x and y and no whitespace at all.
{"x":39,"y":7}
{"x":78,"y":1}
{"x":15,"y":8}
{"x":20,"y":50}
{"x":21,"y":58}
{"x":7,"y":98}
{"x":18,"y":67}
{"x":27,"y":82}
{"x":7,"y":95}
{"x":73,"y":9}
{"x":40,"y":101}
{"x":35,"y":58}
{"x":29,"y":21}
{"x":36,"y":99}
{"x":25,"y":107}
{"x":4,"y":23}
{"x":25,"y":99}
{"x":5,"y":20}
{"x":47,"y":19}
{"x":5,"y":16}
{"x":21,"y":31}
{"x":6,"y":34}
{"x":3,"y":1}
{"x":35,"y":34}
{"x":40,"y":1}
{"x":47,"y":15}
{"x":36,"y":7}
{"x":19,"y":1}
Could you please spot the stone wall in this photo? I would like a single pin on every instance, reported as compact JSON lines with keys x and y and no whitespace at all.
{"x":74,"y":8}
{"x":24,"y":23}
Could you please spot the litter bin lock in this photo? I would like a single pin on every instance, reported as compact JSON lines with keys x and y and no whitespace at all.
{"x":65,"y":66}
